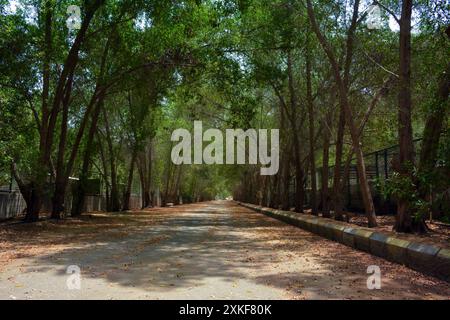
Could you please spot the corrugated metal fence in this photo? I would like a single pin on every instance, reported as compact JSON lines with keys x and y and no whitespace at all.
{"x":12,"y":204}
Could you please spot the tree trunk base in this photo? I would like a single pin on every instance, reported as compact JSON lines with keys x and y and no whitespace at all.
{"x":405,"y":223}
{"x":418,"y":227}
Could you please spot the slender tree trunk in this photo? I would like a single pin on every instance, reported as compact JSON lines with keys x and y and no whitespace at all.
{"x":299,"y":187}
{"x":127,"y":194}
{"x":285,"y":205}
{"x":343,"y":100}
{"x":299,"y":172}
{"x":114,"y":197}
{"x":142,"y":181}
{"x":64,"y":171}
{"x":34,"y":190}
{"x":177,"y":185}
{"x":145,"y":168}
{"x":431,"y":136}
{"x":383,"y":90}
{"x":60,"y":185}
{"x":312,"y":158}
{"x":105,"y":171}
{"x":148,"y":195}
{"x":169,"y":177}
{"x":277,"y":199}
{"x":337,"y":195}
{"x":363,"y":182}
{"x":404,"y":220}
{"x":325,"y":168}
{"x":49,"y":116}
{"x":68,"y":69}
{"x":433,"y":128}
{"x":80,"y":194}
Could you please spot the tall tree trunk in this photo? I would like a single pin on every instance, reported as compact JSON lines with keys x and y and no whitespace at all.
{"x":343,"y":100}
{"x":276,"y":201}
{"x":431,"y":136}
{"x":114,"y":197}
{"x":34,"y":190}
{"x":299,"y":186}
{"x":168,"y":180}
{"x":142,"y":181}
{"x":145,"y":175}
{"x":105,"y":171}
{"x":64,"y":171}
{"x":325,"y":167}
{"x":62,"y":176}
{"x":285,"y":205}
{"x":299,"y":172}
{"x":80,"y":194}
{"x":383,"y":90}
{"x":177,"y":185}
{"x":339,"y":145}
{"x":362,"y":176}
{"x":433,"y":126}
{"x":148,"y":195}
{"x":68,"y":69}
{"x":312,"y":158}
{"x":60,"y":186}
{"x":49,"y":116}
{"x":274,"y":188}
{"x":127,"y":194}
{"x":404,"y":220}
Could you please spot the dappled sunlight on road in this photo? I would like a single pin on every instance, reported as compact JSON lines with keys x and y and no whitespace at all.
{"x":200,"y":251}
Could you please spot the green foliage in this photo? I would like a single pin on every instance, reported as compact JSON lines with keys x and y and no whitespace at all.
{"x":172,"y":62}
{"x":406,"y":187}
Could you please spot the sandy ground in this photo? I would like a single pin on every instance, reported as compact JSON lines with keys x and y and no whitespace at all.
{"x":214,"y":250}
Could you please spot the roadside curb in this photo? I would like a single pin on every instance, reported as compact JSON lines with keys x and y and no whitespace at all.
{"x":426,"y":258}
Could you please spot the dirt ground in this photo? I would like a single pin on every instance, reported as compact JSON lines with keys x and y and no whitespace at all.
{"x":211,"y":250}
{"x":438,"y":232}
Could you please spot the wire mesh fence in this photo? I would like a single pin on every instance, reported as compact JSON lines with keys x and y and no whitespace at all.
{"x":378,"y":168}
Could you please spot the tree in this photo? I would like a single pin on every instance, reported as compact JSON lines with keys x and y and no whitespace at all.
{"x":342,"y":85}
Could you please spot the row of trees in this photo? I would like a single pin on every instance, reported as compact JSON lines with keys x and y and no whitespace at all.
{"x":93,"y":101}
{"x":102,"y":100}
{"x":337,"y":82}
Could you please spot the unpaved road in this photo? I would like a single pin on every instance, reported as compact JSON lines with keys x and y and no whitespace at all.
{"x":213,"y":250}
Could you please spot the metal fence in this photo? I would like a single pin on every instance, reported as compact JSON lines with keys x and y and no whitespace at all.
{"x":378,"y":168}
{"x":12,"y":203}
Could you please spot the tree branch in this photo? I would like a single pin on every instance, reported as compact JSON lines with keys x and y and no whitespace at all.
{"x":388,"y":11}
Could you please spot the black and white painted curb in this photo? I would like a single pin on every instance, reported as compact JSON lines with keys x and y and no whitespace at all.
{"x":426,"y":258}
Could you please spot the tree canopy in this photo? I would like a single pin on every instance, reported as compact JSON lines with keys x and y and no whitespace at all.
{"x":101,"y":101}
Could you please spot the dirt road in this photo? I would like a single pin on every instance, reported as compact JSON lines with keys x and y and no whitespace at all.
{"x":213,"y":250}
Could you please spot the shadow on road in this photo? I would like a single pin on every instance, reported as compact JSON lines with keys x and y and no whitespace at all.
{"x":219,"y":246}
